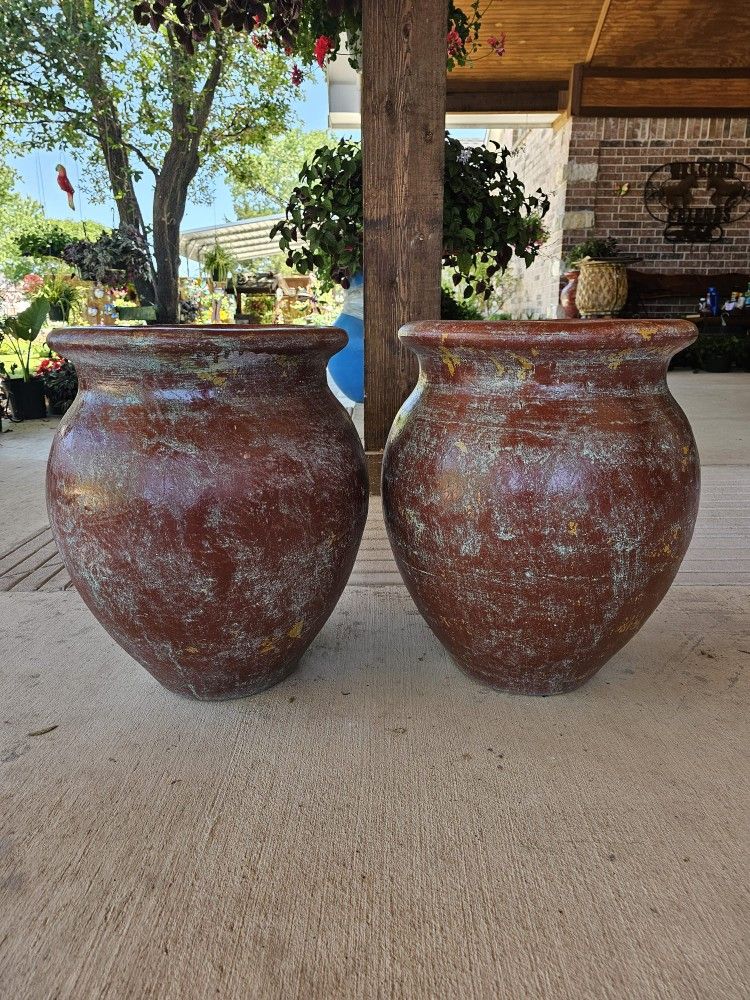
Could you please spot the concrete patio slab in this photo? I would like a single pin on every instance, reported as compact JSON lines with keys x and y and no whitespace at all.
{"x":379,"y":825}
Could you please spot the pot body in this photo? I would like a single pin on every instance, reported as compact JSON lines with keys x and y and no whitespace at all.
{"x":540,"y":489}
{"x":568,"y":295}
{"x":347,"y":368}
{"x":208,"y":495}
{"x":602,"y":288}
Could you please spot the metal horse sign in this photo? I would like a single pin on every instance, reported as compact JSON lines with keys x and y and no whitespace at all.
{"x":696,"y":199}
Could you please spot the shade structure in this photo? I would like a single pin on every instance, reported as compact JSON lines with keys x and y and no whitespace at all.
{"x":246,"y":240}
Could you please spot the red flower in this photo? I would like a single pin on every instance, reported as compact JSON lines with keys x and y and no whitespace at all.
{"x":455,"y":43}
{"x":297,"y":75}
{"x":31,"y":283}
{"x":497,"y":44}
{"x":323,"y":45}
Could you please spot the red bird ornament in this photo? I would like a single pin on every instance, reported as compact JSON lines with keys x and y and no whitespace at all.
{"x":64,"y":184}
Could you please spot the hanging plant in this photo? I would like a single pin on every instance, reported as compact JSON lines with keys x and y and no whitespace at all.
{"x":218,"y":263}
{"x":311,"y":30}
{"x":487,"y":216}
{"x":114,"y":258}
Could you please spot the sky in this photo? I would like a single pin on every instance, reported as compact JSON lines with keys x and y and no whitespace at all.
{"x":38,"y":177}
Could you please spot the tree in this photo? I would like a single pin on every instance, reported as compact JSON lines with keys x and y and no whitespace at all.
{"x":262,"y":180}
{"x":79,"y":74}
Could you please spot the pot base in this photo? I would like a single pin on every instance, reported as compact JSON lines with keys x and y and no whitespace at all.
{"x":220,"y":691}
{"x":531,"y":687}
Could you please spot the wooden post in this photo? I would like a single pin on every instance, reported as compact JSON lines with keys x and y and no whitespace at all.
{"x":403,"y":125}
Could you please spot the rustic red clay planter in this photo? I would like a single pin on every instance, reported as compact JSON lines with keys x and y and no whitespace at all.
{"x":208,"y":495}
{"x":540,"y":489}
{"x":568,"y":295}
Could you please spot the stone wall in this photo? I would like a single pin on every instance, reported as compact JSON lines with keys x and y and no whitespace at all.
{"x":596,"y":170}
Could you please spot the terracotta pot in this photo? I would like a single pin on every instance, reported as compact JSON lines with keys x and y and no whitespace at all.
{"x":568,"y":295}
{"x":540,"y":489}
{"x":208,"y":495}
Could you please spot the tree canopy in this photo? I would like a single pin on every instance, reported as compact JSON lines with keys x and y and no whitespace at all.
{"x":262,"y":180}
{"x":81,"y":75}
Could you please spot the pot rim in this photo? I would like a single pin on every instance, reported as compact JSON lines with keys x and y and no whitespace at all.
{"x":556,"y":335}
{"x":199,"y":338}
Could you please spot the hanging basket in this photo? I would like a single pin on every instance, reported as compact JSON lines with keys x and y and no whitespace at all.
{"x":602,"y":288}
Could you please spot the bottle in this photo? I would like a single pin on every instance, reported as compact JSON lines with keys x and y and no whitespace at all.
{"x":712,"y":299}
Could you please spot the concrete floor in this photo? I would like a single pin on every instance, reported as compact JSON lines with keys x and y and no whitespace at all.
{"x":379,"y":825}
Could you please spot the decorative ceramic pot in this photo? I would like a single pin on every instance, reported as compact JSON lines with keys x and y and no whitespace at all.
{"x":568,"y":295}
{"x":208,"y":495}
{"x":540,"y":489}
{"x":602,"y":288}
{"x":347,"y":368}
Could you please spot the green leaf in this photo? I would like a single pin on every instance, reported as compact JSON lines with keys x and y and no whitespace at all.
{"x":27,"y":324}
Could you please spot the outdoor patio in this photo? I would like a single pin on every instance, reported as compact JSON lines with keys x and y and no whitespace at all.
{"x":379,"y":824}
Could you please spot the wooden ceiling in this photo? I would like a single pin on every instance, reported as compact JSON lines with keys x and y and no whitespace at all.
{"x":610,"y":57}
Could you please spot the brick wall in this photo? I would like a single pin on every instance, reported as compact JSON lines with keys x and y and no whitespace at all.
{"x":588,"y":163}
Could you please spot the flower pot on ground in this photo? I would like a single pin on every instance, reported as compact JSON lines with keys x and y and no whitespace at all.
{"x":208,"y":495}
{"x":716,"y":352}
{"x":27,"y":399}
{"x":60,"y":382}
{"x":540,"y":489}
{"x":18,"y":333}
{"x":568,"y":294}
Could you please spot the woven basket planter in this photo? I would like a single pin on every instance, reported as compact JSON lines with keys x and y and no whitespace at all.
{"x":602,"y":288}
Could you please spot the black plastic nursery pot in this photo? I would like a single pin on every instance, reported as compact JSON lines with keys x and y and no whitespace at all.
{"x":27,"y":400}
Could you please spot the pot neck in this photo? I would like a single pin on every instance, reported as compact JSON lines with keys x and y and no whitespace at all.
{"x":241,"y":360}
{"x":625,"y":357}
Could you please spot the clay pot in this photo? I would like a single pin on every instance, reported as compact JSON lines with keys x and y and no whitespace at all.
{"x":540,"y":489}
{"x":568,"y":295}
{"x":208,"y":495}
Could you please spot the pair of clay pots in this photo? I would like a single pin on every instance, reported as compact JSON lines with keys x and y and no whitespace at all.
{"x":208,"y":494}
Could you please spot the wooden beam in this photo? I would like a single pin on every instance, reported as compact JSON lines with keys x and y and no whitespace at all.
{"x":509,"y":97}
{"x":403,"y":124}
{"x":598,"y":30}
{"x":676,"y":92}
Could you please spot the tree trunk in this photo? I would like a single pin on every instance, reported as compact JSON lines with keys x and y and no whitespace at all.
{"x":170,"y":198}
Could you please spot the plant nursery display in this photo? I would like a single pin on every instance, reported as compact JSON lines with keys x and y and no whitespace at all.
{"x":540,"y":489}
{"x":208,"y":494}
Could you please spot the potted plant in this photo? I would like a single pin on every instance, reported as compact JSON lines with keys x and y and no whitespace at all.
{"x":60,"y":381}
{"x":716,"y":351}
{"x":487,"y":218}
{"x":602,"y":281}
{"x":25,"y":394}
{"x":62,"y":294}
